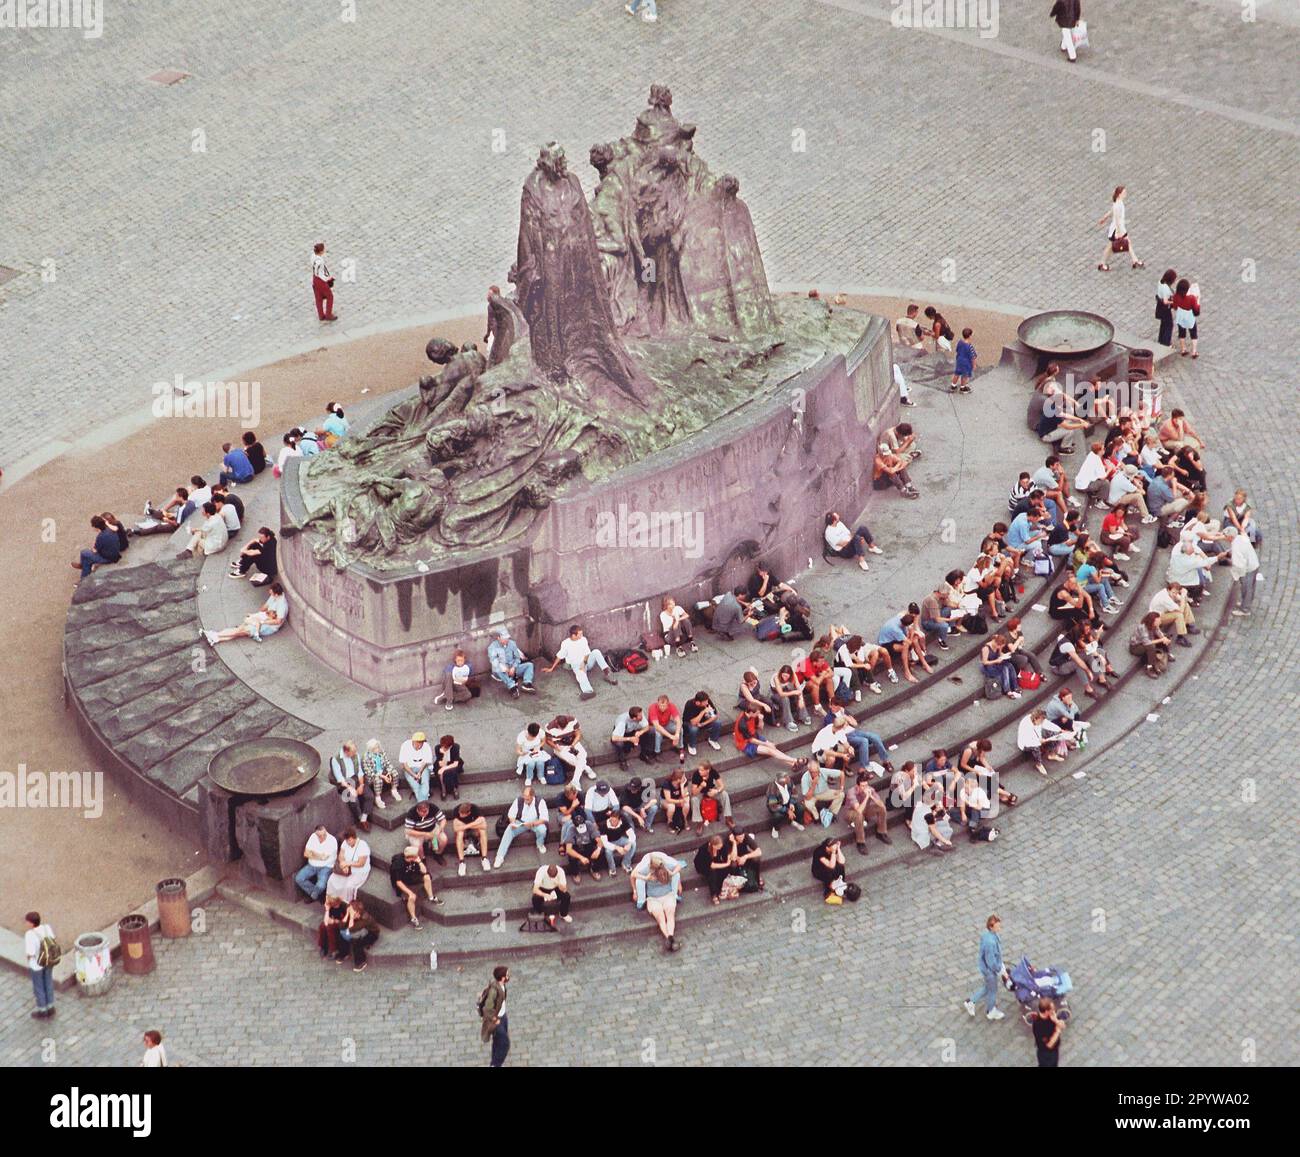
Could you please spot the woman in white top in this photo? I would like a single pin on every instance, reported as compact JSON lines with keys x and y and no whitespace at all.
{"x":1036,"y":737}
{"x":677,"y":627}
{"x":352,"y":870}
{"x":1115,"y":218}
{"x":288,"y":450}
{"x":155,"y":1056}
{"x":260,"y":624}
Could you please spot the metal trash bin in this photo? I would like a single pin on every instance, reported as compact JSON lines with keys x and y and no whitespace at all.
{"x":137,"y":947}
{"x":173,"y":909}
{"x":94,"y":963}
{"x":1148,"y":394}
{"x":1140,"y":364}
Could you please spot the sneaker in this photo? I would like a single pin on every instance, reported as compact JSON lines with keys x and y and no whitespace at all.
{"x":690,"y":750}
{"x":1147,"y":521}
{"x":796,"y":825}
{"x":874,"y":549}
{"x":893,"y":676}
{"x":876,"y":688}
{"x":792,"y":726}
{"x":528,"y":688}
{"x":862,"y":563}
{"x":1133,"y":546}
{"x":943,"y":646}
{"x":438,"y":698}
{"x":567,"y":919}
{"x":1240,"y":614}
{"x":415,"y":922}
{"x":694,"y":649}
{"x":460,"y":868}
{"x":776,"y":834}
{"x":713,"y":743}
{"x":495,"y":863}
{"x":487,"y":864}
{"x":969,"y":1006}
{"x":1013,"y":694}
{"x":514,"y":691}
{"x":996,"y":1014}
{"x":857,"y":696}
{"x":397,"y":796}
{"x":1122,"y":583}
{"x":379,"y":803}
{"x":587,"y":695}
{"x":1119,"y":554}
{"x":360,"y":967}
{"x":650,"y":17}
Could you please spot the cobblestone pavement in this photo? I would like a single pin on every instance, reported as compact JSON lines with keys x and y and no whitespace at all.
{"x":870,"y":156}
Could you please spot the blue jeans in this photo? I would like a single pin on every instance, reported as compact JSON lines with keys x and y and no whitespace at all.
{"x":1102,"y":588}
{"x":651,"y":810}
{"x":868,"y":742}
{"x":988,"y":989}
{"x":500,"y":1043}
{"x":419,"y":787}
{"x":531,"y":767}
{"x":625,"y":843}
{"x":1061,"y":549}
{"x":89,"y":558}
{"x":934,"y":627}
{"x":712,"y":730}
{"x":524,"y":674}
{"x":513,"y":830}
{"x":674,"y":731}
{"x":313,"y":880}
{"x":1004,"y":673}
{"x":43,"y":987}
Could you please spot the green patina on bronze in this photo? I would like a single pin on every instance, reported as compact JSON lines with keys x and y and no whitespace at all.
{"x":637,"y":321}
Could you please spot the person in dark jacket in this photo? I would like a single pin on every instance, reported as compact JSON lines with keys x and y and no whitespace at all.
{"x":258,"y":556}
{"x":1047,"y":1033}
{"x":1067,"y":14}
{"x":360,"y":930}
{"x":107,"y":548}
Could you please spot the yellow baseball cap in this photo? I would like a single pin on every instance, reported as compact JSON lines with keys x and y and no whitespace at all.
{"x":418,"y":737}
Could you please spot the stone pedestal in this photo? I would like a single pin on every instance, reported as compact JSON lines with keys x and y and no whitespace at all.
{"x":688,"y":521}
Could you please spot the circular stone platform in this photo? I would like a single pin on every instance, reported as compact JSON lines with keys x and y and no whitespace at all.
{"x":136,"y":627}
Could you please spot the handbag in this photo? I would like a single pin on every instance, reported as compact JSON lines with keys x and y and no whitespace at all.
{"x":1029,"y":680}
{"x":1042,"y":565}
{"x":1119,"y":244}
{"x":1079,"y":34}
{"x":708,"y":810}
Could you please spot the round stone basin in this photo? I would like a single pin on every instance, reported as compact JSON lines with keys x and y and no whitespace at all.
{"x":1065,"y":332}
{"x":270,"y":765}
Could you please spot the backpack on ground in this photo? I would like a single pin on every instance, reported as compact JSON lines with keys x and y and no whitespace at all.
{"x":992,"y":688}
{"x":503,"y":820}
{"x":1165,"y":537}
{"x":49,"y":953}
{"x":635,"y":661}
{"x":852,"y":893}
{"x":554,"y":773}
{"x":975,"y":624}
{"x":652,"y":641}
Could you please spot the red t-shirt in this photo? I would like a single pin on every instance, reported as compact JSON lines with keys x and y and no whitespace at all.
{"x":745,"y":732}
{"x":664,"y":717}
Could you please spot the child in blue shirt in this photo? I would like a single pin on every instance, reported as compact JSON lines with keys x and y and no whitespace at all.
{"x":965,"y":367}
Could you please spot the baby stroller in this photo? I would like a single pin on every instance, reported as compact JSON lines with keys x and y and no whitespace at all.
{"x":1030,"y":983}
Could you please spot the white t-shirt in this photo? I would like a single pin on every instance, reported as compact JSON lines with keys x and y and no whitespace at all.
{"x":1118,"y":219}
{"x":460,"y":674}
{"x":548,"y":883}
{"x":416,"y":760}
{"x":978,"y":799}
{"x":828,"y":737}
{"x":351,"y":855}
{"x":574,"y":652}
{"x":529,"y":744}
{"x":155,"y":1057}
{"x":838,"y":536}
{"x":1120,"y":485}
{"x":321,"y":853}
{"x":278,"y":605}
{"x":1092,"y":470}
{"x":215,"y":534}
{"x":32,"y":944}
